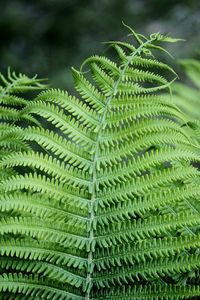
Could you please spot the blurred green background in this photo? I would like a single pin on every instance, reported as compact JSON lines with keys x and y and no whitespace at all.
{"x":47,"y":37}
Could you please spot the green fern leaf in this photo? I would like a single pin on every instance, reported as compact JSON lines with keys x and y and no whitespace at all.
{"x":100,"y":198}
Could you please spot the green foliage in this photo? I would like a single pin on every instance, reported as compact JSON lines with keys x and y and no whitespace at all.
{"x":11,"y":113}
{"x":187,"y":98}
{"x":102,"y":199}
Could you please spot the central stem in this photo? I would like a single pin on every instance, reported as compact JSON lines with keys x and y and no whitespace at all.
{"x":94,"y":186}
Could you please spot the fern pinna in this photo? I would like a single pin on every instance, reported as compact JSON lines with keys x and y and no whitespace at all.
{"x":12,"y":104}
{"x":104,"y":202}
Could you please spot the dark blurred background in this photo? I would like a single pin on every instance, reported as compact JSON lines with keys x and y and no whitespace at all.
{"x":47,"y":37}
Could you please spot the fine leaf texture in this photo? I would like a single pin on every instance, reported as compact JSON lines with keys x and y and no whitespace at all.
{"x":101,"y":200}
{"x":187,"y":97}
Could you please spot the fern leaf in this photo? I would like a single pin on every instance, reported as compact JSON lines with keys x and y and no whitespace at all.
{"x":100,"y":198}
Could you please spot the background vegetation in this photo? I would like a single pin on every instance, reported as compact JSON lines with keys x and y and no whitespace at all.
{"x":47,"y":37}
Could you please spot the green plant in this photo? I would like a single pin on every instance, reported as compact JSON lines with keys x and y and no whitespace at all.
{"x":106,"y":204}
{"x":187,"y":98}
{"x":12,"y":104}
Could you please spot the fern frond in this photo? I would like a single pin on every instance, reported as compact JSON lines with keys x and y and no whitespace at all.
{"x":36,"y":287}
{"x":187,"y":97}
{"x":48,"y":251}
{"x":71,"y":128}
{"x":14,"y":83}
{"x":50,"y":141}
{"x":101,"y":200}
{"x":10,"y":111}
{"x":72,"y":105}
{"x":144,"y":250}
{"x":42,"y":207}
{"x":44,"y":185}
{"x":144,"y":228}
{"x":51,"y":166}
{"x":68,"y":234}
{"x":11,"y":104}
{"x":151,"y":292}
{"x":131,"y":206}
{"x":147,"y":271}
